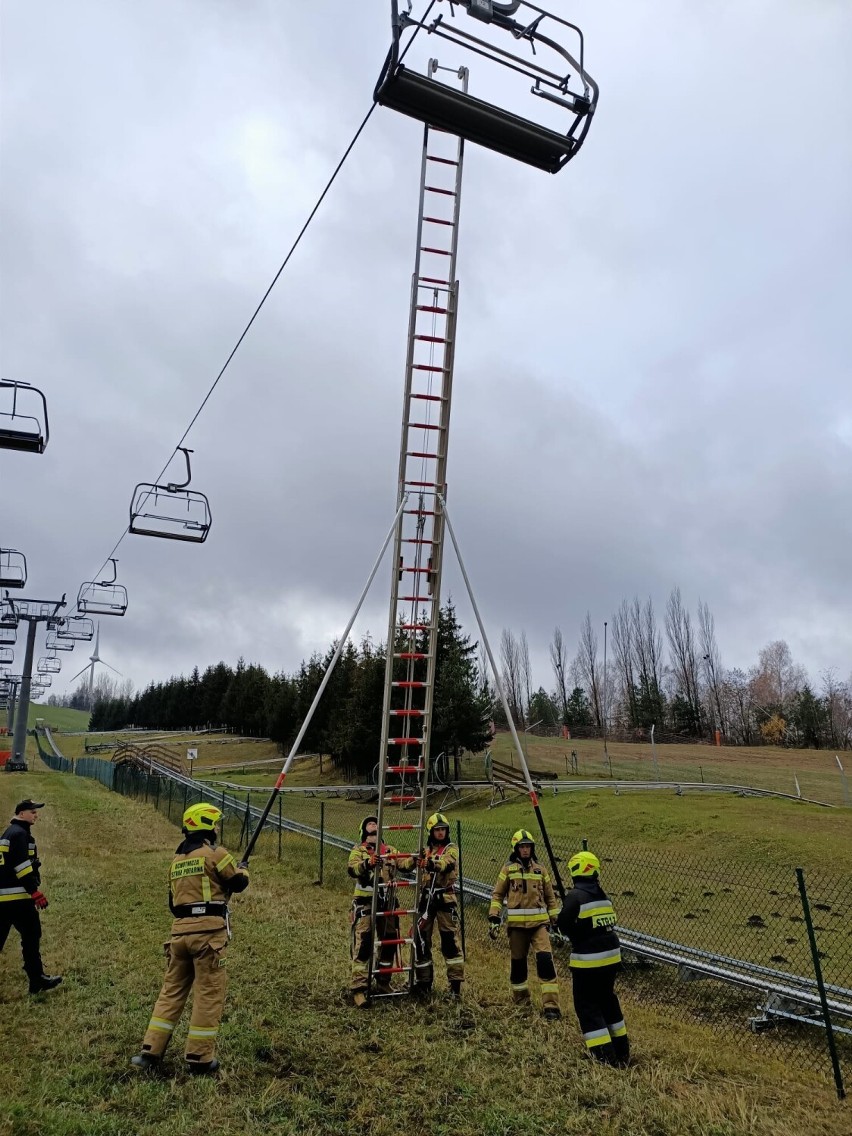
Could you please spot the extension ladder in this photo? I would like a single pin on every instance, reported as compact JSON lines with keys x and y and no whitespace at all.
{"x":418,"y":545}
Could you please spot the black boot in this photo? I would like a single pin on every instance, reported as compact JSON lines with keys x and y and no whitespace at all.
{"x":202,"y":1068}
{"x":604,"y":1053}
{"x":44,"y":982}
{"x":455,"y":988}
{"x":621,"y":1049}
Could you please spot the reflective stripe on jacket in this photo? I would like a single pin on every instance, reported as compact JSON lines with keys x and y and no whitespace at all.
{"x":19,"y":862}
{"x":588,"y":919}
{"x":527,"y":890}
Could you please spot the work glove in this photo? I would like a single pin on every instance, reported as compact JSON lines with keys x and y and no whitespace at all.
{"x":493,"y":926}
{"x":40,"y":900}
{"x":243,"y":865}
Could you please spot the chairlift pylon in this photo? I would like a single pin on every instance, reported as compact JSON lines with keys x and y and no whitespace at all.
{"x":171,"y":511}
{"x":428,"y":100}
{"x":102,"y":597}
{"x":13,"y":568}
{"x":24,"y":429}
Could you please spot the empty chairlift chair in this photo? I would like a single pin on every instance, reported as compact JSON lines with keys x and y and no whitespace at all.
{"x":13,"y":568}
{"x":77,"y":628}
{"x":102,"y":597}
{"x":53,"y":643}
{"x":8,"y":634}
{"x":7,"y":655}
{"x":50,"y":664}
{"x":23,"y":417}
{"x":524,"y":47}
{"x":171,"y":511}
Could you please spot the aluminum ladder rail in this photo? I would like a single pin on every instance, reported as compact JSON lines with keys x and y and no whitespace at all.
{"x":415,"y":597}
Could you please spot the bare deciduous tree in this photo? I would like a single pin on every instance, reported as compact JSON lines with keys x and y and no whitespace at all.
{"x":683,"y":655}
{"x":588,"y":670}
{"x":559,"y":662}
{"x":510,"y":659}
{"x":712,"y":660}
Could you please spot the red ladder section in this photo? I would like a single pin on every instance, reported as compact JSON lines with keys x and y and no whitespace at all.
{"x":419,"y":544}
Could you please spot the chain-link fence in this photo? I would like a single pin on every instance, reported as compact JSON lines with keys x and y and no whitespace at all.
{"x":761,"y":955}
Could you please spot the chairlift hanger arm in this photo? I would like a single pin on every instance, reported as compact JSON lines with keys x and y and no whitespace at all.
{"x":173,"y":486}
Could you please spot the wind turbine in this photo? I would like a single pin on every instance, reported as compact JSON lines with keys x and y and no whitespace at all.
{"x":95,"y":658}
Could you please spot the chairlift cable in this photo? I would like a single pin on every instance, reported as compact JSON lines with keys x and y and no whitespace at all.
{"x":266,"y":294}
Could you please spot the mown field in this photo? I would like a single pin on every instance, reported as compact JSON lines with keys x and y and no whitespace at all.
{"x":297,"y":1059}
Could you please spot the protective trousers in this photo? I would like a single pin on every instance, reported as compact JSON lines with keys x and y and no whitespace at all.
{"x":195,"y":963}
{"x":521,"y":941}
{"x":599,"y":1013}
{"x":387,"y":927}
{"x":22,"y":914}
{"x":448,"y":933}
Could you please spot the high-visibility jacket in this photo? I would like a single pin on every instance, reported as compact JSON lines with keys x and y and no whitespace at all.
{"x":201,"y":878}
{"x":441,"y":870}
{"x":588,"y":919}
{"x":364,"y":875}
{"x":19,"y":862}
{"x":527,"y":890}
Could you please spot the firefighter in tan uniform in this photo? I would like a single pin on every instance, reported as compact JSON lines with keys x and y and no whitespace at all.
{"x":439,"y":862}
{"x":201,"y":879}
{"x":367,"y":860}
{"x":524,"y":886}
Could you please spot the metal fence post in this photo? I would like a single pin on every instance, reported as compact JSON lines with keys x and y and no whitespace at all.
{"x":171,"y":783}
{"x":279,"y":828}
{"x":585,"y":844}
{"x":829,"y":1032}
{"x":322,"y":841}
{"x":461,"y":884}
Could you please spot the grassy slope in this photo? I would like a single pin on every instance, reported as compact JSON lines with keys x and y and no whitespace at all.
{"x":58,"y":716}
{"x":296,"y":1057}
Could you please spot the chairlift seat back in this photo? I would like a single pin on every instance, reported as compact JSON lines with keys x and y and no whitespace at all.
{"x":76,"y":627}
{"x":26,"y":431}
{"x":173,"y":514}
{"x":475,"y":120}
{"x":7,"y":655}
{"x":13,"y":568}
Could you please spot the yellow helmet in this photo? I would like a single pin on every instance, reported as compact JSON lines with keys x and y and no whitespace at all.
{"x":202,"y":817}
{"x":584,"y":865}
{"x":437,"y":820}
{"x":522,"y":836}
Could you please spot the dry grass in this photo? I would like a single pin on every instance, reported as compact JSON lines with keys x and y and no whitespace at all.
{"x":296,"y":1057}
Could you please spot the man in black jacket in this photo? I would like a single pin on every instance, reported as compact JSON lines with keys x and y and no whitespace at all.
{"x":20,"y":897}
{"x":588,"y":920}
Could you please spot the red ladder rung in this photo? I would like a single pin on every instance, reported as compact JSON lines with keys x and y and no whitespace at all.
{"x":420,"y":454}
{"x":428,"y":367}
{"x":393,"y":942}
{"x":391,"y":969}
{"x":429,"y":397}
{"x":416,"y":539}
{"x":434,"y":280}
{"x":432,"y":338}
{"x":416,"y":570}
{"x":400,"y":827}
{"x":400,"y":799}
{"x":397,"y":884}
{"x":431,"y":308}
{"x":399,"y":910}
{"x":437,"y":252}
{"x":407,"y":714}
{"x":409,"y":599}
{"x":407,"y":684}
{"x":422,"y":485}
{"x":443,"y":161}
{"x":439,"y":221}
{"x":438,"y":189}
{"x":410,"y":655}
{"x":424,"y":426}
{"x":405,"y":741}
{"x":412,"y":627}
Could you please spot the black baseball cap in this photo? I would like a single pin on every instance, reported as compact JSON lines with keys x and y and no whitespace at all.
{"x":25,"y":806}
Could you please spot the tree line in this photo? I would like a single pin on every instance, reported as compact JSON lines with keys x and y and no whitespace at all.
{"x":669,"y":673}
{"x":348,"y":721}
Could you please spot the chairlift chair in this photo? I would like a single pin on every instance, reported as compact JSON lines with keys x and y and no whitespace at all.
{"x":8,"y":634}
{"x":428,"y":100}
{"x":49,"y":664}
{"x":54,"y":643}
{"x":78,"y":628}
{"x":104,"y":597}
{"x":13,"y":568}
{"x":171,"y":511}
{"x":7,"y":655}
{"x":28,"y":431}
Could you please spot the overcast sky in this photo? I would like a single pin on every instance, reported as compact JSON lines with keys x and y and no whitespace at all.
{"x":652,"y":378}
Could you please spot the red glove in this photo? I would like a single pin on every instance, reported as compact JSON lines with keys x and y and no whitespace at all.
{"x":40,"y":900}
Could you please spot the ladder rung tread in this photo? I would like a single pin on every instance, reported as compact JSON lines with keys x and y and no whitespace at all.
{"x":391,"y":970}
{"x":393,"y":942}
{"x":421,"y":485}
{"x":443,"y":161}
{"x":432,"y":338}
{"x":437,"y":252}
{"x":438,"y":189}
{"x":439,"y":221}
{"x":411,"y":655}
{"x":417,"y":539}
{"x":420,"y":454}
{"x":425,"y":571}
{"x":420,"y":513}
{"x":405,"y":741}
{"x":424,"y":426}
{"x":410,"y":599}
{"x":434,"y":280}
{"x":400,"y":828}
{"x":431,"y":308}
{"x":428,"y":397}
{"x":413,"y":627}
{"x":428,"y":367}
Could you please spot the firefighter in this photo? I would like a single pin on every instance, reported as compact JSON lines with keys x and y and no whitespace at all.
{"x":201,"y":879}
{"x":20,"y":896}
{"x":439,"y":862}
{"x":367,"y":856}
{"x":588,"y":920}
{"x":525,"y":887}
